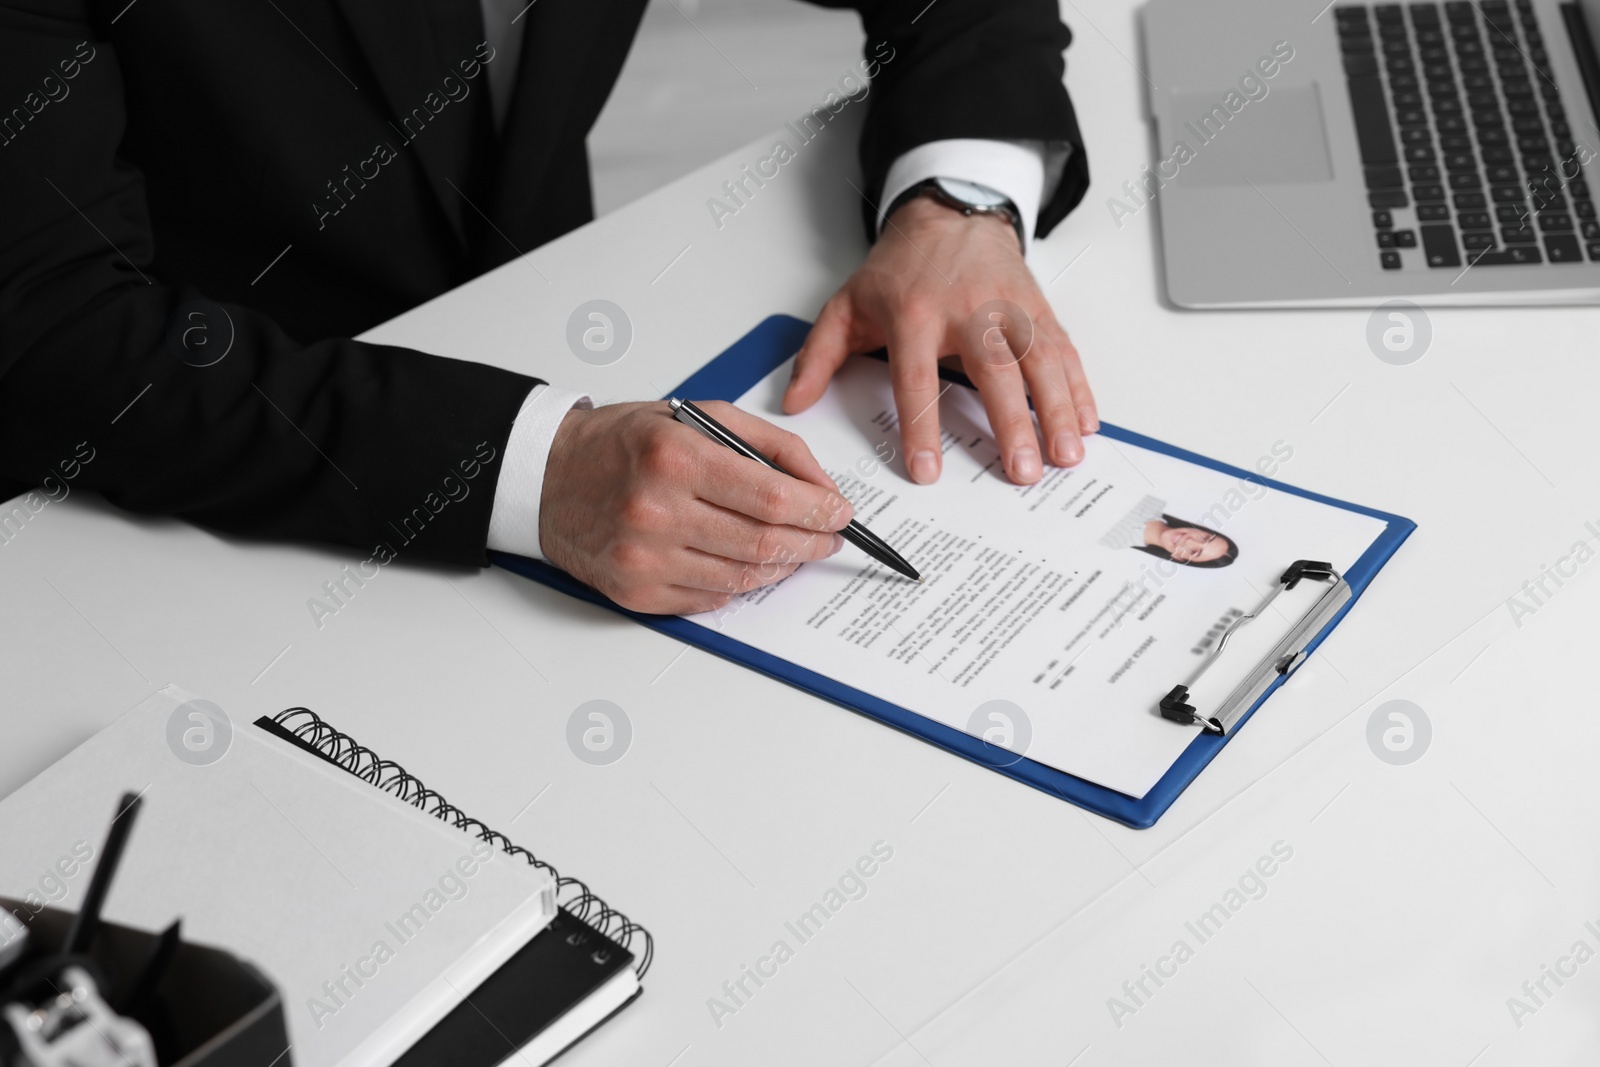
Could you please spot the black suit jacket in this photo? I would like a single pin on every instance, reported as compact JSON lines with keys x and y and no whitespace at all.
{"x":275,"y":176}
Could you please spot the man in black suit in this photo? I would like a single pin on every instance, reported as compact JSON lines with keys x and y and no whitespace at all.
{"x":272,"y":177}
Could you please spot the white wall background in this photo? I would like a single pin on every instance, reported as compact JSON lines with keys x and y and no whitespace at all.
{"x":706,"y":76}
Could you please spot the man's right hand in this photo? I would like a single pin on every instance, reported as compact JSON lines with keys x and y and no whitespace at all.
{"x":662,"y":520}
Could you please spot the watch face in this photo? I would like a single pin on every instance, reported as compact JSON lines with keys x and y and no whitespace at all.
{"x":971,"y":192}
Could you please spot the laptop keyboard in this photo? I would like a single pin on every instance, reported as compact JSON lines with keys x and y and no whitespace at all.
{"x":1459,"y":120}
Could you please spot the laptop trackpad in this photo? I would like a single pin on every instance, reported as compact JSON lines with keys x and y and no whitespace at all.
{"x":1232,"y":139}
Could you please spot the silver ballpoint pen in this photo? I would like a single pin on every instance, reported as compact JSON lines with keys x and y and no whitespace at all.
{"x":870,"y":543}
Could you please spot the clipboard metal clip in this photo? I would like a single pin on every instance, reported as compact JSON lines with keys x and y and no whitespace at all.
{"x":1286,"y":655}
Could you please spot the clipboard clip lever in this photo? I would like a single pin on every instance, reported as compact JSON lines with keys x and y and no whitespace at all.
{"x":1305,"y":568}
{"x":1285,"y":657}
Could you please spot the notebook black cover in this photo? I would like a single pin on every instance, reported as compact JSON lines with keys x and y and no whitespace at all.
{"x":553,"y":973}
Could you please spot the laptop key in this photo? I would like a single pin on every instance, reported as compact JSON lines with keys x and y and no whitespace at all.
{"x":1405,"y":239}
{"x":1385,"y":178}
{"x":1383,"y":220}
{"x":1439,"y":245}
{"x":1559,"y":222}
{"x":1428,"y":192}
{"x":1477,"y":240}
{"x":1591,"y":231}
{"x":1373,"y":132}
{"x":1470,"y":201}
{"x":1474,"y":220}
{"x":1518,"y":235}
{"x":1437,"y":213}
{"x":1388,"y":198}
{"x":1563,"y":248}
{"x":1505,"y":258}
{"x":1594,"y":250}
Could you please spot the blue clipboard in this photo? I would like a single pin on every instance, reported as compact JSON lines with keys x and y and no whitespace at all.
{"x":757,"y":354}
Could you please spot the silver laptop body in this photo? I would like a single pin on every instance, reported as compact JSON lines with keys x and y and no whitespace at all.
{"x":1442,"y":153}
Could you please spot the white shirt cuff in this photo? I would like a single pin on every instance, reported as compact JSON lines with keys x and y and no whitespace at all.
{"x":514,"y":518}
{"x":1014,"y":168}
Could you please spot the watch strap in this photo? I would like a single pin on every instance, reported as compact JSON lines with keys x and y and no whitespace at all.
{"x":930,"y":187}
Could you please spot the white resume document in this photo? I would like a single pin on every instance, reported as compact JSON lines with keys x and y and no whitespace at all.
{"x":1052,"y":617}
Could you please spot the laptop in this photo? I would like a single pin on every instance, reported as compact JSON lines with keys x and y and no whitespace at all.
{"x":1350,"y":154}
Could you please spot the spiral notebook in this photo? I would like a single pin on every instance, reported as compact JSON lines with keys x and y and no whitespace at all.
{"x":575,"y":974}
{"x":372,"y":919}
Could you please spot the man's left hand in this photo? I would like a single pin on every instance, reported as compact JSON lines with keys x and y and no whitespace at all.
{"x":916,"y":294}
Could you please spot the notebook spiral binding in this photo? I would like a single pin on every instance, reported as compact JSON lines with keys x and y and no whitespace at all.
{"x":571,"y":894}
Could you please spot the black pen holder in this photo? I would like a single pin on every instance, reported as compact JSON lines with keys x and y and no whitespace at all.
{"x":208,"y":1008}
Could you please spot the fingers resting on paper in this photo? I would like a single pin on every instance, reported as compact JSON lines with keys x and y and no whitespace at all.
{"x":940,"y":283}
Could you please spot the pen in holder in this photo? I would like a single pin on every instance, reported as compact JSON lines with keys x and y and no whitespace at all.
{"x":79,"y":992}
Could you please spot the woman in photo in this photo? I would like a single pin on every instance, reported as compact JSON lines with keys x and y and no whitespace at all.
{"x":1186,"y":543}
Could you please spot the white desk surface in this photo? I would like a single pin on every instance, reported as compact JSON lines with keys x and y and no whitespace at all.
{"x":1417,"y":900}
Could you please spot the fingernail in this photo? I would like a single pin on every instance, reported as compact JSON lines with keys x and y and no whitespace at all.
{"x":1089,"y":419}
{"x":1025,"y":466}
{"x":838,"y":543}
{"x":1068,"y":448}
{"x":924,"y":467}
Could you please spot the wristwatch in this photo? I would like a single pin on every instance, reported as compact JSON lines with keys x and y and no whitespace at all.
{"x":969,"y":198}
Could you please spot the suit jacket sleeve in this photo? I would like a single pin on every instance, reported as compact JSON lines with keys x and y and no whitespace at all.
{"x":988,"y":69}
{"x":335,"y":440}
